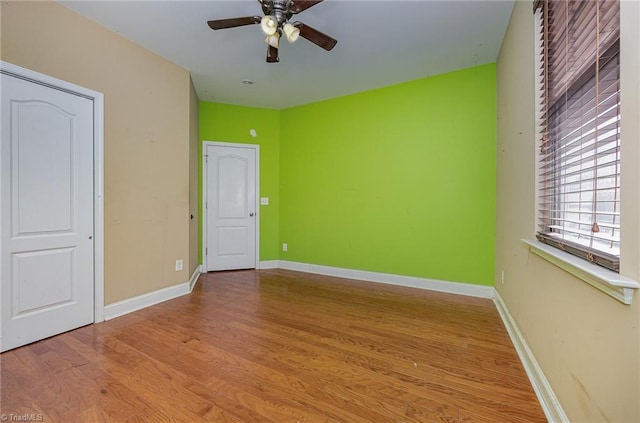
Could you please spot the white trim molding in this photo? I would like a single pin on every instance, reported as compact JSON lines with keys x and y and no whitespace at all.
{"x":269,"y":264}
{"x":194,"y":278}
{"x":471,"y":290}
{"x":139,"y":302}
{"x":547,"y":398}
{"x":607,"y":281}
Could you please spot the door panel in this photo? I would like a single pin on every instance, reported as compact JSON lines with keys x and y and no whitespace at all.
{"x":232,"y":187}
{"x":31,"y":192}
{"x":232,"y":241}
{"x":46,"y":248}
{"x":41,"y":280}
{"x":231,"y":208}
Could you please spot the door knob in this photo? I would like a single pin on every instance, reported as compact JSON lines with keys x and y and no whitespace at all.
{"x":250,"y":214}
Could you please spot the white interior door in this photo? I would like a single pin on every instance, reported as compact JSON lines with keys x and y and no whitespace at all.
{"x":47,"y":212}
{"x":230,"y":208}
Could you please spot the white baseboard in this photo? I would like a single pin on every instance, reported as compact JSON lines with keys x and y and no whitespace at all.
{"x":194,"y":277}
{"x":130,"y":305}
{"x":269,"y":264}
{"x":460,"y":288}
{"x":145,"y":300}
{"x":547,"y":398}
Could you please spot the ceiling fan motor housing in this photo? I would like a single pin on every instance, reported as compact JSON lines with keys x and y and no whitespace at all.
{"x":279,"y":9}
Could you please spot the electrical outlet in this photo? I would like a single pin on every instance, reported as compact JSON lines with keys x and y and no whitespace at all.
{"x":285,"y":246}
{"x":179,"y":265}
{"x":502,"y":276}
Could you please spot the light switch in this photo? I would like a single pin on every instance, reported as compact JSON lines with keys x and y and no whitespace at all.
{"x":264,"y":201}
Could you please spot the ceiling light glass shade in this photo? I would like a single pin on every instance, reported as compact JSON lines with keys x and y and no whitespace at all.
{"x":291,"y":32}
{"x":269,"y":25}
{"x":273,"y":40}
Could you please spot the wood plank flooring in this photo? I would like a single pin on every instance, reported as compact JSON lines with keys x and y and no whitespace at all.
{"x":279,"y":346}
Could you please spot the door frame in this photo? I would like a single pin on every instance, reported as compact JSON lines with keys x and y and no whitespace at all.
{"x":98,"y":169}
{"x":254,"y":147}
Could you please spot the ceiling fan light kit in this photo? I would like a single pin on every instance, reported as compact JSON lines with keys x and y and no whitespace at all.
{"x":273,"y":40}
{"x":269,"y":25}
{"x":275,"y":22}
{"x":291,"y":32}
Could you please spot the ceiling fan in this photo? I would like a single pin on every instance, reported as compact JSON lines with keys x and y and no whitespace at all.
{"x":276,"y":22}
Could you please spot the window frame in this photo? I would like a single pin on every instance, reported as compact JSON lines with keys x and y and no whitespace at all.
{"x":545,"y":215}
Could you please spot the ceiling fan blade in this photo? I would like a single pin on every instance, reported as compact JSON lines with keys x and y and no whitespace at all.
{"x":301,"y":5}
{"x":233,"y":22}
{"x":272,"y":55}
{"x":316,"y":37}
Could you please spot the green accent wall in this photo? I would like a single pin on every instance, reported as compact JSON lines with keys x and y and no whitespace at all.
{"x":396,"y":180}
{"x":228,"y":123}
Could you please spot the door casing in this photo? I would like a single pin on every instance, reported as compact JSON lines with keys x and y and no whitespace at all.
{"x":98,"y":168}
{"x":256,"y":148}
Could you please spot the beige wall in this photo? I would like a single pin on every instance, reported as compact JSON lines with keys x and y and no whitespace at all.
{"x":146,"y":144}
{"x":587,"y":343}
{"x":194,"y":179}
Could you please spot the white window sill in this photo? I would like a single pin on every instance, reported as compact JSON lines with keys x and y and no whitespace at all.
{"x":607,"y":281}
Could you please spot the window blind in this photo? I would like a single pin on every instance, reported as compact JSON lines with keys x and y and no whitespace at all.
{"x":579,"y":127}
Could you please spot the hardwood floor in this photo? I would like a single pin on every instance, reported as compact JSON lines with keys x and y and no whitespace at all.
{"x":279,"y":346}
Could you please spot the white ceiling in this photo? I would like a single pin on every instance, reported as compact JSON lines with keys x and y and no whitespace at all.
{"x":380,"y":43}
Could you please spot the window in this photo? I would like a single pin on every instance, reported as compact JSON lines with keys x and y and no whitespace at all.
{"x":579,"y":127}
